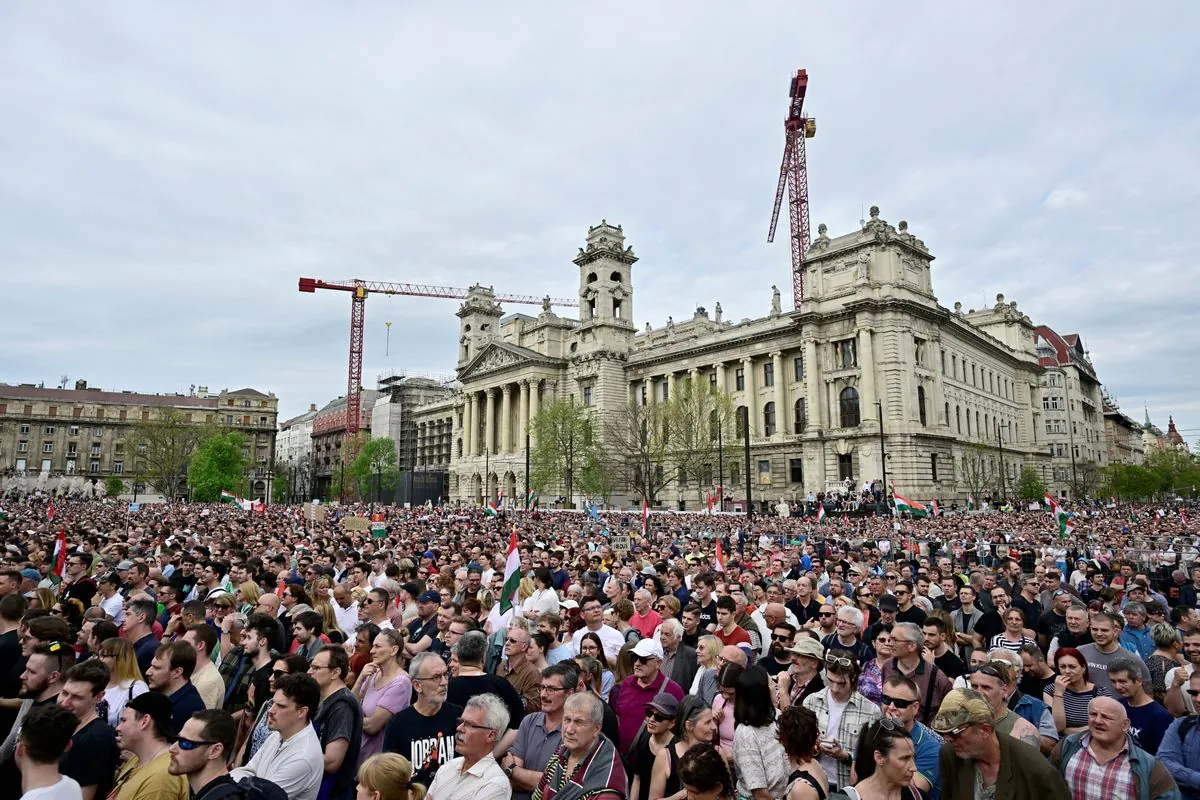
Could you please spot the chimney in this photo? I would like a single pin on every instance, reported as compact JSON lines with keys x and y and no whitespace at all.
{"x":312,"y":406}
{"x":80,"y":385}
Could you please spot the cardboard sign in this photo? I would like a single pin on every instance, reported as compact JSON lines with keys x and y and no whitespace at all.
{"x":379,"y":530}
{"x":619,"y":542}
{"x":356,"y":524}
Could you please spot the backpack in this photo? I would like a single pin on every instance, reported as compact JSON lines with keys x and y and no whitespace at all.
{"x":249,"y":788}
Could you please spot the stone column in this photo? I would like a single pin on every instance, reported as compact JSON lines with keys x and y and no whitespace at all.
{"x":812,"y":386}
{"x":523,"y":415}
{"x":752,"y":409}
{"x":651,"y":399}
{"x":781,"y":409}
{"x":535,"y":404}
{"x":719,"y":368}
{"x":473,"y":428}
{"x":866,"y":362}
{"x":466,"y":426}
{"x":694,"y":377}
{"x":505,"y":443}
{"x":489,"y":423}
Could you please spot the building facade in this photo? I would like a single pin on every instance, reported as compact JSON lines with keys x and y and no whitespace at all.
{"x":422,"y":441}
{"x":295,"y":453}
{"x":1072,"y":415}
{"x":959,"y":393}
{"x":78,"y":436}
{"x":1122,"y":435}
{"x":328,"y":434}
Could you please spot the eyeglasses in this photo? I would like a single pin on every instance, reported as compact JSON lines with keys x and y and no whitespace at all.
{"x":275,"y":673}
{"x":988,"y":669}
{"x":511,"y":640}
{"x":441,"y":676}
{"x":839,"y":661}
{"x":312,"y":667}
{"x":825,"y":613}
{"x":192,"y":744}
{"x":546,"y":688}
{"x":463,"y":723}
{"x":887,"y":724}
{"x":898,"y":702}
{"x":655,"y":715}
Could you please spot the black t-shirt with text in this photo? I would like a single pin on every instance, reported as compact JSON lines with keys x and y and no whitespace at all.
{"x":427,"y":742}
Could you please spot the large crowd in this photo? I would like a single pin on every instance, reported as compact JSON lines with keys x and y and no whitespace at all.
{"x":202,"y":651}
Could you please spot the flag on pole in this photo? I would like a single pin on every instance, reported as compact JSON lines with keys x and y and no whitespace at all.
{"x":937,"y":512}
{"x":645,"y":519}
{"x":1133,"y":517}
{"x":244,"y":505}
{"x":970,"y":502}
{"x":491,"y":509}
{"x":820,"y":513}
{"x":512,"y":574}
{"x":1065,"y":528}
{"x":531,"y":499}
{"x":50,"y":511}
{"x":911,"y":506}
{"x":60,"y":552}
{"x":719,"y":560}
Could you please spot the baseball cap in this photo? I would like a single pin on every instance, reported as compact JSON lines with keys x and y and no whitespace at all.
{"x":647,"y":648}
{"x":568,"y":603}
{"x":807,"y":646}
{"x":412,"y":587}
{"x":31,"y":574}
{"x":960,"y":708}
{"x":664,"y":703}
{"x":888,"y":602}
{"x":649,"y":570}
{"x":430,"y":597}
{"x":126,"y":564}
{"x":428,"y":554}
{"x":157,"y":706}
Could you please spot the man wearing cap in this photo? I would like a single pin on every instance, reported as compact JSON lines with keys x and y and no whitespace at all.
{"x":146,"y":730}
{"x":423,"y":629}
{"x":976,"y":762}
{"x":803,"y":677}
{"x":630,"y":697}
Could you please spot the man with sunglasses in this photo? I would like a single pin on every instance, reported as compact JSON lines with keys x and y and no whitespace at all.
{"x":201,"y":751}
{"x":902,"y":703}
{"x":977,"y":762}
{"x":629,"y":698}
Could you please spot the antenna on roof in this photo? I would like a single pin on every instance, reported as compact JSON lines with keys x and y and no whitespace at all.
{"x":62,"y":382}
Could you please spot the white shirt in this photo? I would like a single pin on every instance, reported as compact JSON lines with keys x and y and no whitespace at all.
{"x":115,"y":607}
{"x":347,"y":618}
{"x":296,"y":766}
{"x":611,"y":638}
{"x":483,"y":781}
{"x":65,"y":789}
{"x":542,"y":601}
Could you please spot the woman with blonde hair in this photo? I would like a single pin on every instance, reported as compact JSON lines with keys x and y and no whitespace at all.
{"x":247,"y":596}
{"x":322,"y":588}
{"x":43,"y":598}
{"x":708,"y":648}
{"x":125,"y":679}
{"x":388,"y":776}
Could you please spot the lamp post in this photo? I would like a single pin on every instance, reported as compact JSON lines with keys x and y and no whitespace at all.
{"x":527,"y":469}
{"x":720,"y":465}
{"x":882,"y":454}
{"x":1003,"y":473}
{"x":746,"y":449}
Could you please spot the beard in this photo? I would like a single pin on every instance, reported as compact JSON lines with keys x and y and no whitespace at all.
{"x":777,"y":651}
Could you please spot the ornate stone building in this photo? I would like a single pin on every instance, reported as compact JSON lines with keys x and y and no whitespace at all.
{"x":870,"y":342}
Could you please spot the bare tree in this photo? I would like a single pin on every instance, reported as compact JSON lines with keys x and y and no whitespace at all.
{"x":702,"y":424}
{"x":165,"y":446}
{"x":980,"y":469}
{"x":638,"y":437}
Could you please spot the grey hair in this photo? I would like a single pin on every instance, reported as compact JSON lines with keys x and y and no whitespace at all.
{"x":1130,"y":666}
{"x":1136,"y":608}
{"x":853,"y":614}
{"x":591,"y":704}
{"x":672,"y":626}
{"x":1164,"y":635}
{"x":237,"y":620}
{"x":1007,"y":656}
{"x":913,"y":631}
{"x":471,"y":648}
{"x":414,"y":666}
{"x":495,"y":713}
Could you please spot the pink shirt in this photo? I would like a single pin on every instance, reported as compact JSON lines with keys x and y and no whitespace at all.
{"x":646,"y":625}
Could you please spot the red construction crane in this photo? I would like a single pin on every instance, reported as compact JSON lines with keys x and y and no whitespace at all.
{"x":359,"y":290}
{"x":794,"y":172}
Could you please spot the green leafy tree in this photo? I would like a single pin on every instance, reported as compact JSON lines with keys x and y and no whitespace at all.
{"x":218,"y":464}
{"x":702,"y":428}
{"x":113,"y":486}
{"x":1175,"y":471}
{"x":1131,"y":482}
{"x":350,"y":449}
{"x":281,"y":487}
{"x":566,"y":456}
{"x":164,"y":446}
{"x":375,"y":469}
{"x":1030,"y":486}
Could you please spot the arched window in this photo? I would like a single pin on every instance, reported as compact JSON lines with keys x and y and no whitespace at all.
{"x":978,"y":430}
{"x":987,"y":427}
{"x":800,"y":415}
{"x":958,"y":417}
{"x":968,"y":422}
{"x":615,"y":277}
{"x":769,"y":419}
{"x":848,"y":408}
{"x":921,"y":403}
{"x":741,"y":422}
{"x":592,"y":277}
{"x":947,"y":414}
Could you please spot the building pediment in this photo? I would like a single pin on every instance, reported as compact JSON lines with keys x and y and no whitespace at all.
{"x":500,"y":357}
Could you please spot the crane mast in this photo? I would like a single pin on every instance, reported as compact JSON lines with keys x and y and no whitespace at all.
{"x":793,"y":174}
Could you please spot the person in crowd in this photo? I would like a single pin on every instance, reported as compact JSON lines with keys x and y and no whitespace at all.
{"x":976,"y":761}
{"x":291,"y":758}
{"x":657,"y":734}
{"x":1036,"y":675}
{"x":93,"y":756}
{"x":39,"y":748}
{"x":761,"y":764}
{"x":937,"y":648}
{"x":591,"y":646}
{"x":1168,"y":649}
{"x":847,"y":637}
{"x":339,"y":721}
{"x":995,"y":681}
{"x":870,"y":680}
{"x":517,"y":669}
{"x":387,"y":776}
{"x":147,"y":730}
{"x":593,"y":622}
{"x":908,"y":646}
{"x":1148,"y":720}
{"x":704,"y":774}
{"x":139,"y":628}
{"x":966,"y":618}
{"x":842,"y":712}
{"x":383,"y":688}
{"x":472,"y":680}
{"x":1073,"y":691}
{"x":694,"y":725}
{"x":1179,"y":750}
{"x":124,"y":678}
{"x":1135,"y":634}
{"x":249,"y":664}
{"x":540,"y":732}
{"x":206,"y":677}
{"x":1106,"y":627}
{"x":200,"y":754}
{"x":1078,"y":631}
{"x":475,"y":772}
{"x":424,"y":732}
{"x":679,"y":661}
{"x":630,"y":698}
{"x":1178,"y":702}
{"x":798,"y":735}
{"x":1105,"y":759}
{"x":885,"y":762}
{"x":307,"y":630}
{"x":902,"y":703}
{"x":585,"y":758}
{"x":589,"y":680}
{"x":170,"y":673}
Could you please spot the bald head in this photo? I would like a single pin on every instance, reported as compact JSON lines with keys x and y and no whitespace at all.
{"x":732,"y":654}
{"x":774,"y":613}
{"x":271,"y":600}
{"x":1108,"y":722}
{"x":1109,"y":706}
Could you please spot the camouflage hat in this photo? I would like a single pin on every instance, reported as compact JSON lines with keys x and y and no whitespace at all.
{"x":961,"y":708}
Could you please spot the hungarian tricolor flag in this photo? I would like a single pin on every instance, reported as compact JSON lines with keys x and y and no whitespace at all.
{"x":1065,"y":528}
{"x":820,"y":513}
{"x":50,"y":511}
{"x":911,"y":506}
{"x":60,"y":551}
{"x":645,"y":519}
{"x":719,"y":560}
{"x":970,"y":502}
{"x":491,"y":509}
{"x":226,"y":497}
{"x":937,"y":512}
{"x":512,"y":574}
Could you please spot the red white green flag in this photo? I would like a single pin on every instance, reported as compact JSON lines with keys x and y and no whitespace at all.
{"x":645,"y":519}
{"x":911,"y":506}
{"x":719,"y":560}
{"x":820,"y":513}
{"x":1060,"y":515}
{"x":512,"y":574}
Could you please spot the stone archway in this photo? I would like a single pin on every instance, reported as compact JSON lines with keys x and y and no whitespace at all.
{"x":493,"y":484}
{"x":510,"y":488}
{"x":476,"y":489}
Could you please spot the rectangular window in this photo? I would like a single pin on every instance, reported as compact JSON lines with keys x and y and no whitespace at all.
{"x":94,"y":466}
{"x":768,"y":374}
{"x":70,"y":466}
{"x":845,"y":354}
{"x":24,"y":427}
{"x":798,"y":368}
{"x":764,"y":468}
{"x":20,"y":465}
{"x":48,"y":430}
{"x":712,"y":379}
{"x":796,"y":470}
{"x":47,"y":447}
{"x":118,"y":467}
{"x":845,"y":466}
{"x":74,"y":430}
{"x":72,"y":448}
{"x":78,"y":412}
{"x":666,"y":389}
{"x":22,"y":447}
{"x":95,"y":450}
{"x":261,"y":420}
{"x":122,"y":414}
{"x":228,"y":419}
{"x":54,"y":411}
{"x":99,"y":413}
{"x":97,"y":431}
{"x":735,"y":474}
{"x":587,"y":396}
{"x":45,"y":465}
{"x":739,"y":379}
{"x":933,"y":466}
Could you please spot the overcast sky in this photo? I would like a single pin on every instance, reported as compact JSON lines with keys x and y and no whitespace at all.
{"x":170,"y":170}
